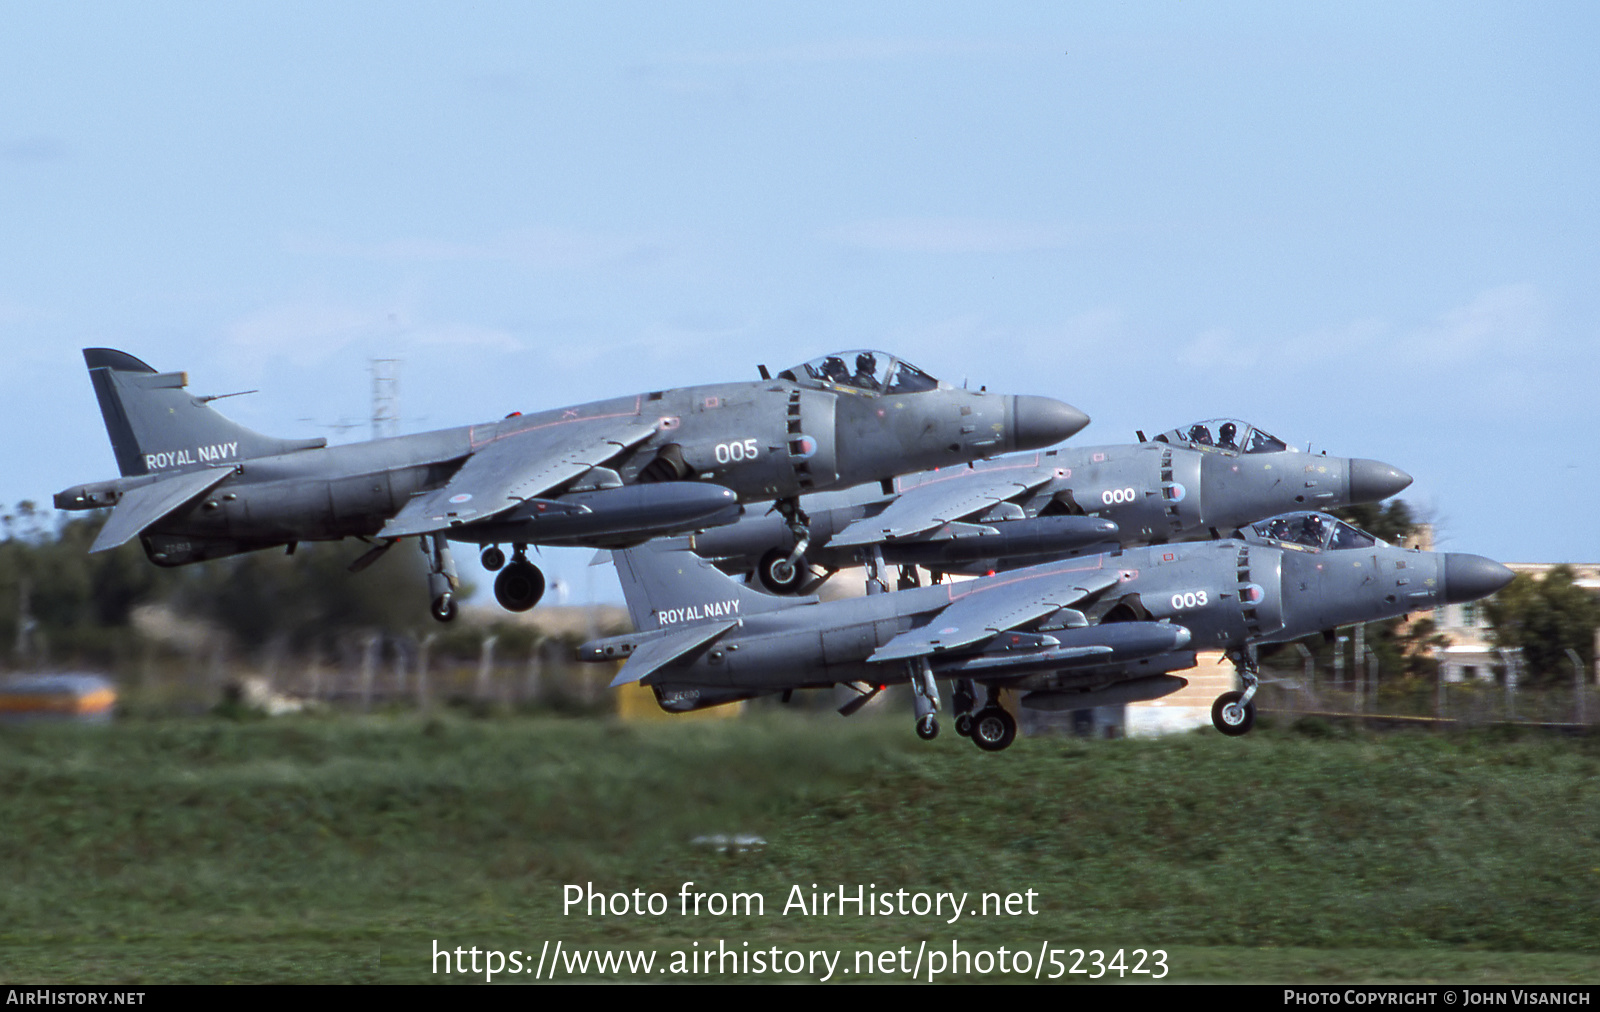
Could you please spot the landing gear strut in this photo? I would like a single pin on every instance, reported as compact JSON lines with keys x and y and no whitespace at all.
{"x":872,"y":559}
{"x":442,"y":579}
{"x":799,"y":525}
{"x":520,"y":585}
{"x":1234,"y":713}
{"x":962,"y":700}
{"x":926,"y":695}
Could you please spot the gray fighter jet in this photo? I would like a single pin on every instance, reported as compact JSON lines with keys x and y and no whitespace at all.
{"x":1196,"y":482}
{"x":198,"y":486}
{"x":1085,"y":632}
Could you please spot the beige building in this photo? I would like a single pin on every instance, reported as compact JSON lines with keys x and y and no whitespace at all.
{"x":1470,"y":654}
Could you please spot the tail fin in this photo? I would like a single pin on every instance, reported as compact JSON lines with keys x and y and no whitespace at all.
{"x":155,"y":425}
{"x":666,"y":586}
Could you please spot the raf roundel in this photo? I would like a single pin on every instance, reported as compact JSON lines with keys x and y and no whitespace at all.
{"x":457,"y":500}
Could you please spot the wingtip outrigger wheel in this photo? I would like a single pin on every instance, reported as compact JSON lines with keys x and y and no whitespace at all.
{"x":442,"y":579}
{"x":926,"y":696}
{"x":444,"y":607}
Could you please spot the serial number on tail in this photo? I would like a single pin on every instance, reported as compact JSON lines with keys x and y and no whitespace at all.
{"x":698,"y":612}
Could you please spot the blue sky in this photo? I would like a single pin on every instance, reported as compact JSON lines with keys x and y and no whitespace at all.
{"x":1367,"y":226}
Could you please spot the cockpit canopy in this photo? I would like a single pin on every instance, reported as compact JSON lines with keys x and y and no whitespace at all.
{"x":1226,"y":434}
{"x":1317,"y":531}
{"x":871,"y":372}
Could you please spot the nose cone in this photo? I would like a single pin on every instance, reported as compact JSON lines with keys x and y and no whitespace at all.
{"x":1038,"y":422}
{"x":1469,"y":577}
{"x":1372,"y":480}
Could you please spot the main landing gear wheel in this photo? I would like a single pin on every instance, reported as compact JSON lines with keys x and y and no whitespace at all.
{"x":519,"y":586}
{"x":780,"y":575}
{"x":492,"y":558}
{"x":994,"y":729}
{"x":928,"y":728}
{"x":1229,"y":717}
{"x":444,"y":607}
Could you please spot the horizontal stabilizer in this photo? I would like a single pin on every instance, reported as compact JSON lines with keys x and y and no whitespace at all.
{"x":142,"y":507}
{"x":656,"y":653}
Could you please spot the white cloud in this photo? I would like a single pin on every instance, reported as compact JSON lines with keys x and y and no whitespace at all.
{"x":1500,"y":327}
{"x":1500,"y":324}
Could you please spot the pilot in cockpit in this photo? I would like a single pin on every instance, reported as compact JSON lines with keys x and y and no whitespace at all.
{"x":834,"y":371}
{"x":866,"y":371}
{"x":1226,"y":436}
{"x":1312,"y":530}
{"x":1200,"y":434}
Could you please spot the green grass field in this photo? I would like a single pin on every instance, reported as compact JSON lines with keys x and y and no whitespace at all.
{"x":340,"y":848}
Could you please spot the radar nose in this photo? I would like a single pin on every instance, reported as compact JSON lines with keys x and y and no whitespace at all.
{"x":1373,"y":480}
{"x":1469,"y":577}
{"x":1038,"y":422}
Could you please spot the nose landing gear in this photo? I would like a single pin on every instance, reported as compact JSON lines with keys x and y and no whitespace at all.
{"x":1234,"y":713}
{"x":780,"y":572}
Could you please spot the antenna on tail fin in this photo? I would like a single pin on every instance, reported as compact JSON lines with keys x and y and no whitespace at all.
{"x":156,"y":425}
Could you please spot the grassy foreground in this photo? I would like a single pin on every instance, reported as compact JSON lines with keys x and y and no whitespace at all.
{"x":340,"y":849}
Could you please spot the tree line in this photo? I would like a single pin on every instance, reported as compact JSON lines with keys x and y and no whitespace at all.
{"x":60,"y":604}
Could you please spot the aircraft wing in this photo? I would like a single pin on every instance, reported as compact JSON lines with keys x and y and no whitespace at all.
{"x":657,"y":653}
{"x":1001,"y":603}
{"x":141,"y":507}
{"x":515,"y":467}
{"x":931,"y":505}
